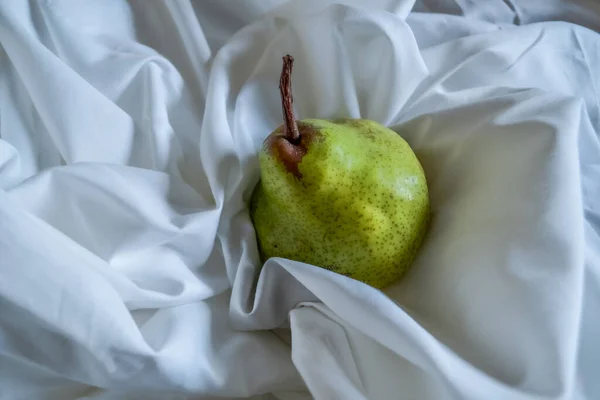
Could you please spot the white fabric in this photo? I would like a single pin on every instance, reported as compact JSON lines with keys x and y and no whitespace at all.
{"x":128,"y":140}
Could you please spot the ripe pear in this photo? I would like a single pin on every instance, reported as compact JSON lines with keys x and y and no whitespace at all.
{"x":348,"y":195}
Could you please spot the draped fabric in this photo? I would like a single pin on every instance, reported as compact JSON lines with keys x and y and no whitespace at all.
{"x":129,"y":134}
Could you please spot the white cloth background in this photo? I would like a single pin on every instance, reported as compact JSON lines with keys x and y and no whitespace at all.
{"x":128,"y":140}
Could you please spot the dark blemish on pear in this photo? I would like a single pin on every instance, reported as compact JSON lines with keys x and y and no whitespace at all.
{"x":289,"y":143}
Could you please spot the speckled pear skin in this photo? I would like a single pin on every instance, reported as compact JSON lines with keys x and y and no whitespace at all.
{"x":354,"y":200}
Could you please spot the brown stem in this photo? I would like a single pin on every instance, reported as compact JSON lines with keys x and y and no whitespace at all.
{"x":285,"y":88}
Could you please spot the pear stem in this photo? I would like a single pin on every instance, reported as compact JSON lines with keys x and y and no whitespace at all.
{"x":285,"y":88}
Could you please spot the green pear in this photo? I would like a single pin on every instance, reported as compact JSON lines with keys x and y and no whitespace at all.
{"x":347,"y":195}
